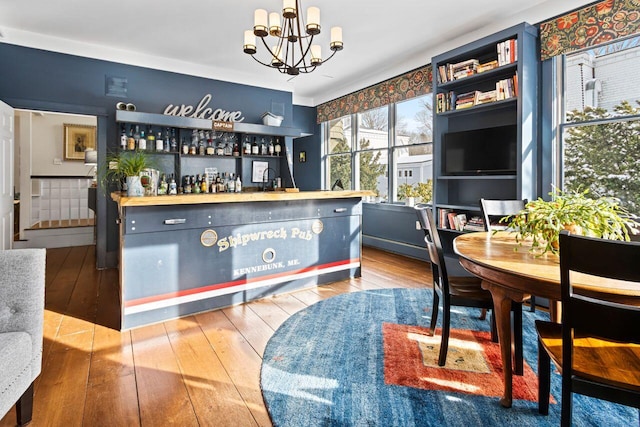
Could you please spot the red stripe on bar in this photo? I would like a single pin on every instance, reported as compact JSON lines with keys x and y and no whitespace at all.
{"x":155,"y":298}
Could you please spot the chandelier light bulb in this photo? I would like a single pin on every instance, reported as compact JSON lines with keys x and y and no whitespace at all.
{"x":313,"y":20}
{"x":260,"y":23}
{"x":275,"y":29}
{"x":249,"y":42}
{"x":289,"y":9}
{"x":276,"y":59}
{"x":316,"y":54}
{"x":336,"y":38}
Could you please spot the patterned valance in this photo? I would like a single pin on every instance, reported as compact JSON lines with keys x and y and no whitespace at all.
{"x":406,"y":86}
{"x":593,"y":25}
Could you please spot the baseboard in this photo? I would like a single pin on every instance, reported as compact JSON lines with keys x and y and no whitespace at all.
{"x":396,"y":247}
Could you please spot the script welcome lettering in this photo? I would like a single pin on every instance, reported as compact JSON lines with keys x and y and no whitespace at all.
{"x":203,"y":111}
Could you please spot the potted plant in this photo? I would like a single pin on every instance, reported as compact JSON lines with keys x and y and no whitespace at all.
{"x":541,"y":221}
{"x":127,"y":167}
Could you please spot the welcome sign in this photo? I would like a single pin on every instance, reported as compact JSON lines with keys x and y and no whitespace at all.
{"x":203,"y":111}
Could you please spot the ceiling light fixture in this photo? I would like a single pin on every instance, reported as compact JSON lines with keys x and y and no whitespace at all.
{"x":294,"y":51}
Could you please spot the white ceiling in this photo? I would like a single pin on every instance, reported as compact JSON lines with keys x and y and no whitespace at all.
{"x":381,"y":38}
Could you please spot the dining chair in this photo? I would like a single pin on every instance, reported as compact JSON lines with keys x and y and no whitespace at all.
{"x":597,"y":345}
{"x":459,"y":291}
{"x":493,"y":210}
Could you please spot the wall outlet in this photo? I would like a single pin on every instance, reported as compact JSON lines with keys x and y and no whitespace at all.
{"x":57,"y":161}
{"x":418,"y":227}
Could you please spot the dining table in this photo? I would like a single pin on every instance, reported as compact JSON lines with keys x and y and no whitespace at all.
{"x":511,"y":271}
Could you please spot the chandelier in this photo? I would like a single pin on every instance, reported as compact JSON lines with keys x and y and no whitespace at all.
{"x":293,"y":52}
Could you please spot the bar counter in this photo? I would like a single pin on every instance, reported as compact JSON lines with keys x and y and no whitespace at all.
{"x":184,"y":254}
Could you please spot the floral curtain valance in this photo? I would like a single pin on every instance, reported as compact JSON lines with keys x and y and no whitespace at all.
{"x":593,"y":25}
{"x":406,"y":86}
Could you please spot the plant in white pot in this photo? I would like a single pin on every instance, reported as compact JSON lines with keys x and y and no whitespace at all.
{"x":541,"y":221}
{"x":127,"y":167}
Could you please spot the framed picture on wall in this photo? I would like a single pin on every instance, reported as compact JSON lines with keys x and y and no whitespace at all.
{"x":257,"y":171}
{"x":77,"y":139}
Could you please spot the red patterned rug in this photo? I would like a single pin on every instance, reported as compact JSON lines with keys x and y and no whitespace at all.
{"x":473,"y":363}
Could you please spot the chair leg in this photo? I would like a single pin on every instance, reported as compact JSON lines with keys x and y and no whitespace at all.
{"x":532,"y":301}
{"x":444,"y":341}
{"x":483,"y":314}
{"x":544,"y":379}
{"x":517,"y":339}
{"x":24,"y":407}
{"x":434,"y":312}
{"x":567,"y":397}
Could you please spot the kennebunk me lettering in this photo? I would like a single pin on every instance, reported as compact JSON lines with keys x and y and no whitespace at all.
{"x":258,"y":268}
{"x":202,"y":111}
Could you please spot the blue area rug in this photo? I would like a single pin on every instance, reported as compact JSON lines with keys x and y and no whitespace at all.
{"x":325,"y":367}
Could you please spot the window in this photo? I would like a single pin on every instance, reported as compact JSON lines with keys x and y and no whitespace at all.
{"x":387,"y":142}
{"x":601,"y":130}
{"x":413,"y":149}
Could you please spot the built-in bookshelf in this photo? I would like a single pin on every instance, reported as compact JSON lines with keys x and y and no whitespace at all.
{"x":485,"y":126}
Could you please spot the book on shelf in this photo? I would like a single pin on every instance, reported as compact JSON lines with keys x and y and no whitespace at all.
{"x":486,"y":97}
{"x":475,"y":223}
{"x":487,"y":66}
{"x":443,"y":218}
{"x":507,"y":52}
{"x":456,"y":221}
{"x":458,"y":70}
{"x":506,"y":88}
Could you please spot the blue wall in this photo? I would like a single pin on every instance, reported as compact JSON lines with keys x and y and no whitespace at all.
{"x":308,"y":175}
{"x":44,"y":80}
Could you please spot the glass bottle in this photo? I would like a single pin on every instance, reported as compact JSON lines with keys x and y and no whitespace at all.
{"x":228,"y":147}
{"x":131,"y":141}
{"x":210,"y":148}
{"x":185,"y":147}
{"x":142,"y":142}
{"x":174,"y":141}
{"x":159,"y":143}
{"x":123,"y":138}
{"x":173,"y":188}
{"x":247,"y":145}
{"x":136,"y":136}
{"x":271,"y":148}
{"x":236,"y":149}
{"x":278,"y":147}
{"x":151,"y":140}
{"x":263,"y":147}
{"x":254,"y":146}
{"x":193,"y":148}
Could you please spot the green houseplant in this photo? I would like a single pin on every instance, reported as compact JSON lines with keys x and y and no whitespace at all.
{"x":129,"y":167}
{"x":541,"y":221}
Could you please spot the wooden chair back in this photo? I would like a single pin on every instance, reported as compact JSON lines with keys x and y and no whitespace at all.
{"x":434,"y":247}
{"x":494,"y":210}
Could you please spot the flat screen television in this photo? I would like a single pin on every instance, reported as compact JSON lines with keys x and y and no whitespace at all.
{"x":487,"y":151}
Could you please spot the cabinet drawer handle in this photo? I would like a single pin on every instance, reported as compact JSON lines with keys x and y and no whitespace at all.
{"x":340,"y":210}
{"x":175,"y":221}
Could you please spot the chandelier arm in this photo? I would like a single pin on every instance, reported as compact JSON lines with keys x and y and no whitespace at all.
{"x":263,"y":63}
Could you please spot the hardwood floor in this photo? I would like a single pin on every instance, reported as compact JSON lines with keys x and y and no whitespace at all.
{"x":202,"y":369}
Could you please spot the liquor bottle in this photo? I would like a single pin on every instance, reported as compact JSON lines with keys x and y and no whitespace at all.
{"x":278,"y":147}
{"x":202,"y":144}
{"x":203,"y":184}
{"x":163,"y":186}
{"x":196,"y":185}
{"x":220,"y":148}
{"x":236,"y":149}
{"x":136,"y":136}
{"x":123,"y":138}
{"x":247,"y":145}
{"x":142,"y":142}
{"x":160,"y":143}
{"x":151,"y":140}
{"x":228,"y":146}
{"x":174,"y":141}
{"x":231,"y":184}
{"x":263,"y":147}
{"x":211,"y":150}
{"x":271,"y":148}
{"x":193,"y":148}
{"x":173,"y":188}
{"x":254,"y":146}
{"x":185,"y":147}
{"x":131,"y":141}
{"x":238,"y":184}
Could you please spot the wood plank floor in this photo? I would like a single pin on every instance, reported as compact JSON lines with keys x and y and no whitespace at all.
{"x":200,"y":370}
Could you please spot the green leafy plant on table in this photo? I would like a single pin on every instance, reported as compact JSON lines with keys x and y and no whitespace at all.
{"x":541,"y":221}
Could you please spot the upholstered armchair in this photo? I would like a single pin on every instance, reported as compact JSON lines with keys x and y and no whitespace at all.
{"x":21,"y":323}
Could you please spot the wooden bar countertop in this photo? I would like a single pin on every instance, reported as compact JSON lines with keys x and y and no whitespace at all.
{"x":253,"y":196}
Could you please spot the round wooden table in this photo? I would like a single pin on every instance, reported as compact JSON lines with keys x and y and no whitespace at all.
{"x":512,"y":273}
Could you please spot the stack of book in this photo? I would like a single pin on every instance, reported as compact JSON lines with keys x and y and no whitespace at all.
{"x":485,"y":97}
{"x":486,"y":66}
{"x":445,"y":101}
{"x":474,"y":224}
{"x":459,"y":70}
{"x":466,"y":100}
